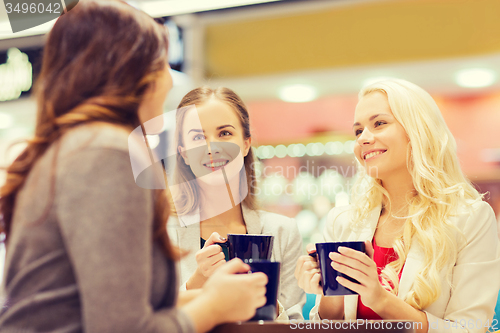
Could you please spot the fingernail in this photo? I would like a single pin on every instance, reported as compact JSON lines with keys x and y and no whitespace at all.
{"x":342,"y":249}
{"x":222,"y":238}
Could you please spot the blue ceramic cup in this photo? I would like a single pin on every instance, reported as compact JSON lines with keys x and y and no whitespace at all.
{"x":272,"y":270}
{"x":328,"y":275}
{"x":257,"y":247}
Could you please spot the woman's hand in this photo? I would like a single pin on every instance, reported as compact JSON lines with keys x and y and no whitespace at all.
{"x":361,"y":267}
{"x":209,"y":258}
{"x":307,"y":272}
{"x":235,"y":297}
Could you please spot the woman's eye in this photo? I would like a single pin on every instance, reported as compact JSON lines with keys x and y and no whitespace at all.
{"x":225,"y":133}
{"x":198,"y":137}
{"x":379,"y":122}
{"x":358,"y":132}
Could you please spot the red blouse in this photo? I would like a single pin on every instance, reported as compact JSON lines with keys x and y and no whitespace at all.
{"x":382,"y":256}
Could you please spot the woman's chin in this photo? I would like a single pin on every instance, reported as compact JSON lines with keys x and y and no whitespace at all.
{"x":213,"y":178}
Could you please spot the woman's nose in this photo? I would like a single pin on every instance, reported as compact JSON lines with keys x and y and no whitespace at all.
{"x":214,"y":147}
{"x":365,"y":138}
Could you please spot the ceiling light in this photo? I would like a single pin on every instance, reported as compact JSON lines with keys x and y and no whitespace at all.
{"x":298,"y":93}
{"x":475,"y":77}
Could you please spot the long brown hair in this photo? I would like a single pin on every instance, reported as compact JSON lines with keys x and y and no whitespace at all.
{"x":99,"y":60}
{"x":189,"y":200}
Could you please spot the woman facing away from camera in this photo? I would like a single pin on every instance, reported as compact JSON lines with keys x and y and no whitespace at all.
{"x":215,"y":194}
{"x":87,"y":248}
{"x":435,"y":257}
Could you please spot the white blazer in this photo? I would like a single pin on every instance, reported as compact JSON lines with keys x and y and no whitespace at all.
{"x":287,"y":248}
{"x":475,"y":273}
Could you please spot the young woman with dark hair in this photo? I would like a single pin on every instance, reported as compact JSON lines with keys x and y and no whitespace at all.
{"x":87,"y":248}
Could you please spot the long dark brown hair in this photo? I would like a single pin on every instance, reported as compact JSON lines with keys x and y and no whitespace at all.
{"x":189,"y":201}
{"x":99,"y":60}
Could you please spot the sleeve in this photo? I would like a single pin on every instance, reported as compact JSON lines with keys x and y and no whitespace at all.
{"x":106,"y":222}
{"x":291,"y":296}
{"x":172,"y":233}
{"x":475,"y":278}
{"x":282,"y":315}
{"x":328,"y":236}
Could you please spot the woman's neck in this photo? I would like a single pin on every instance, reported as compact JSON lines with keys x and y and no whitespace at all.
{"x":228,"y":222}
{"x":400,"y":190}
{"x":220,"y":201}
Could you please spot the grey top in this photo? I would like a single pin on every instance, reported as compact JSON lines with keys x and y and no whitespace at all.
{"x":81,"y":256}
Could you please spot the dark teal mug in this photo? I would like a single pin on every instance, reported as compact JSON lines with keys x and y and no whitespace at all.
{"x":243,"y":246}
{"x":272,"y":270}
{"x":331,"y":287}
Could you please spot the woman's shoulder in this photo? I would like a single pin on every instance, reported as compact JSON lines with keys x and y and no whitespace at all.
{"x":474,"y":214}
{"x":96,"y":135}
{"x":270,"y":216}
{"x":339,"y":217}
{"x":342,"y":212}
{"x":272,"y":223}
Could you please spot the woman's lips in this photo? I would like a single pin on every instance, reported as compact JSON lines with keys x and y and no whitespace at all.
{"x":373,"y":154}
{"x":216,"y":165}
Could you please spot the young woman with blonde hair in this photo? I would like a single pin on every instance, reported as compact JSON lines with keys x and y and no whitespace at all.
{"x":214,"y":193}
{"x":433,"y":254}
{"x":87,"y":248}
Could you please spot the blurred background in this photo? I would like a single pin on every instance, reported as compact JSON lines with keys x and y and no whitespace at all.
{"x":298,"y":65}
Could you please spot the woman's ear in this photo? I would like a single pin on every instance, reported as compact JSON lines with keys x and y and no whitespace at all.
{"x":247,"y":144}
{"x":182,"y":152}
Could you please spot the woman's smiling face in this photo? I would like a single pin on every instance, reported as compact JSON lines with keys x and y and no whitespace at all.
{"x":213,"y":137}
{"x":381,"y":142}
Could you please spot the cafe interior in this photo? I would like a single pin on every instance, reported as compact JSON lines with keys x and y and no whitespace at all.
{"x":298,"y":65}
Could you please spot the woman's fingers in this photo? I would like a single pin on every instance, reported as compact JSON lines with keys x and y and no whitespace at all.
{"x":355,"y":260}
{"x":360,"y":256}
{"x":235,"y":266}
{"x":315,"y":287}
{"x":350,"y":285}
{"x":257,"y":279}
{"x":218,"y":264}
{"x":214,"y":239}
{"x":208,"y":252}
{"x":310,"y":248}
{"x":209,"y":265}
{"x":304,"y":263}
{"x":353,"y":273}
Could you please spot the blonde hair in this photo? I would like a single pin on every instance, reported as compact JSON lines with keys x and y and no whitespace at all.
{"x":440,"y":186}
